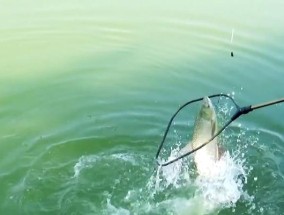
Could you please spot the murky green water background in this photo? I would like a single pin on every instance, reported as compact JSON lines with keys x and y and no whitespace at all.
{"x":87,"y":88}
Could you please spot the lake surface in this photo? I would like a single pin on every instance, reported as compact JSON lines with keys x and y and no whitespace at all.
{"x":87,"y":89}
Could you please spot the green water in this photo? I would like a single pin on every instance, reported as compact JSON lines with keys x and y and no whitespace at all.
{"x":87,"y":88}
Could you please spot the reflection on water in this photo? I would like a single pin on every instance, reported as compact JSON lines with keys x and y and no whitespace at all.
{"x":86,"y":90}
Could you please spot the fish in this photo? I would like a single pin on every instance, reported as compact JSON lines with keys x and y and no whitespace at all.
{"x":205,"y":127}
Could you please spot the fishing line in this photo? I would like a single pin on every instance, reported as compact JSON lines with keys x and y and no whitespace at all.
{"x":240,"y":111}
{"x":232,"y":37}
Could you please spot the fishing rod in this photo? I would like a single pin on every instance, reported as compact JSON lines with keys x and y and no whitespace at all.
{"x":240,"y":111}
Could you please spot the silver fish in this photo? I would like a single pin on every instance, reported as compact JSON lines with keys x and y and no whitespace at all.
{"x":205,"y":127}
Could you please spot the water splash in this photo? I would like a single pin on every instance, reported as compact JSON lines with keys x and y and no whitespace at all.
{"x":89,"y":161}
{"x":84,"y":162}
{"x":111,"y":209}
{"x":210,"y":192}
{"x":175,"y":174}
{"x":223,"y":188}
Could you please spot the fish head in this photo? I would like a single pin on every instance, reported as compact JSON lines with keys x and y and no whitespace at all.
{"x":207,"y":110}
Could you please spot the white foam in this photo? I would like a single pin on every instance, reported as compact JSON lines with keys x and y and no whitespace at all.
{"x":222,"y":188}
{"x":89,"y":161}
{"x":84,"y":162}
{"x":225,"y":187}
{"x":111,"y":209}
{"x":172,"y":172}
{"x":183,"y":206}
{"x":175,"y":174}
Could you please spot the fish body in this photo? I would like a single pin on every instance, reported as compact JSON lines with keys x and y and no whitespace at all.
{"x":205,"y":127}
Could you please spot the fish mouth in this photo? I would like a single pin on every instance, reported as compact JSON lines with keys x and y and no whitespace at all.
{"x":207,"y":111}
{"x":207,"y":102}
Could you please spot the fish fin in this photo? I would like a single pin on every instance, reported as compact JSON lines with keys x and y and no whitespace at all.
{"x":213,"y":128}
{"x":220,"y":152}
{"x":186,"y":149}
